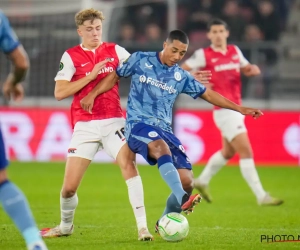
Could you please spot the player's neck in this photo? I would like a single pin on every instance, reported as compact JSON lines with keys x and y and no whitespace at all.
{"x":87,"y":47}
{"x":222,"y":48}
{"x":161,"y":58}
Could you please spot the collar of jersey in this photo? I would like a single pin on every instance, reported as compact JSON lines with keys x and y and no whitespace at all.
{"x":93,"y":50}
{"x":222,"y":52}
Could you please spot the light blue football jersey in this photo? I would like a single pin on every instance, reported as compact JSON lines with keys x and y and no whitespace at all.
{"x":154,"y":89}
{"x":8,"y":39}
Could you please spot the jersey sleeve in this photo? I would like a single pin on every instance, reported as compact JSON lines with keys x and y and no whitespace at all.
{"x":8,"y":38}
{"x":66,"y":68}
{"x":243,"y":61}
{"x":129,"y":66}
{"x":197,"y":60}
{"x":122,"y":53}
{"x":192,"y":87}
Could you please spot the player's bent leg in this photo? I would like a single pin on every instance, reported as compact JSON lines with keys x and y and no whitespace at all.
{"x":214,"y":164}
{"x":187,"y":180}
{"x":75,"y":169}
{"x":160,"y":151}
{"x":241,"y":144}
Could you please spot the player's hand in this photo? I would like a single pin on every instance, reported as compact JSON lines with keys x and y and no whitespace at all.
{"x":15,"y":92}
{"x":96,"y":69}
{"x":87,"y":103}
{"x":203,"y":76}
{"x":255,"y":113}
{"x":254,"y":70}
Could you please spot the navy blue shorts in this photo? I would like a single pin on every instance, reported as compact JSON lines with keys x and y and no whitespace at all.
{"x":142,"y":134}
{"x":3,"y":159}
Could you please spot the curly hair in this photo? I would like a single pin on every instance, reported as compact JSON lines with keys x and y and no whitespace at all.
{"x":88,"y":14}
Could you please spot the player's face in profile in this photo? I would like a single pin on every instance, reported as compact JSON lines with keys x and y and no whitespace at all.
{"x":174,"y":52}
{"x":218,"y":35}
{"x":91,"y":33}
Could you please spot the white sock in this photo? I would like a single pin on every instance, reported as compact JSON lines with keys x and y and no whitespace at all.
{"x":214,"y":164}
{"x":136,"y":198}
{"x":250,"y":175}
{"x":67,"y":210}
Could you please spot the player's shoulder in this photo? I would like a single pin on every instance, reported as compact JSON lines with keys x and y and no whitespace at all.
{"x":232,"y":47}
{"x":108,"y":46}
{"x":2,"y":15}
{"x":74,"y":49}
{"x":3,"y":21}
{"x":140,"y":55}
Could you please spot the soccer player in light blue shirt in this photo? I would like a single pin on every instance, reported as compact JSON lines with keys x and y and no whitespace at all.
{"x":156,"y":81}
{"x":11,"y":197}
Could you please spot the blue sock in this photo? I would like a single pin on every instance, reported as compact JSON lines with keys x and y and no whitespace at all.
{"x":171,"y":176}
{"x":16,"y":206}
{"x":172,"y":205}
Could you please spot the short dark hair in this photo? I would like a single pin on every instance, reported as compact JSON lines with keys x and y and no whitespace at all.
{"x":178,"y":35}
{"x":216,"y":21}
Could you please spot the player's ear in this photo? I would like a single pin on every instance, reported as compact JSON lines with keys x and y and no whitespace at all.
{"x":208,"y":35}
{"x":165,"y":44}
{"x":79,"y":32}
{"x":227,"y":33}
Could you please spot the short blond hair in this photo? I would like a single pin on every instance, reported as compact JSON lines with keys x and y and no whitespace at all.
{"x":88,"y":14}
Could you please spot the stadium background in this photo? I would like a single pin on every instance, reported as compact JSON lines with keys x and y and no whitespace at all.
{"x":267,"y":32}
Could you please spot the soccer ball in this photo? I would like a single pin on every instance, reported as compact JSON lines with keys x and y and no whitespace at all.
{"x":173,"y":227}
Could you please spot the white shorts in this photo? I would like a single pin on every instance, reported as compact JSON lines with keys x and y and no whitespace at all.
{"x":92,"y":136}
{"x":229,"y":122}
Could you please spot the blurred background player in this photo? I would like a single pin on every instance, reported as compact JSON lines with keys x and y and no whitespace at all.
{"x":11,"y":197}
{"x":225,"y":62}
{"x":80,"y":69}
{"x":156,"y":82}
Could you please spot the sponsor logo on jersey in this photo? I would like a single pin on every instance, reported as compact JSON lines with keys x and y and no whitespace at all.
{"x":61,"y":66}
{"x":110,"y":59}
{"x":104,"y":70}
{"x":227,"y":66}
{"x":83,"y":64}
{"x":213,"y":60}
{"x":177,"y":76}
{"x":235,"y":57}
{"x":148,"y":66}
{"x":158,"y":84}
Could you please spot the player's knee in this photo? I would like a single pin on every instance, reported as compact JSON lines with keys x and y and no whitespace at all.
{"x":228,"y":154}
{"x":158,"y":148}
{"x":245,"y":152}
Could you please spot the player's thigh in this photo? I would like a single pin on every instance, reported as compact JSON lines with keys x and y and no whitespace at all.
{"x":230,"y":123}
{"x":242,"y":146}
{"x":84,"y":144}
{"x":113,"y":138}
{"x":227,"y":149}
{"x":148,"y":141}
{"x":85,"y":141}
{"x":127,"y":162}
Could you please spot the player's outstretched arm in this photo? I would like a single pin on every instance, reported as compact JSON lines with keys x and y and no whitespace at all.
{"x":220,"y":101}
{"x":250,"y":70}
{"x":64,"y":89}
{"x":20,"y":65}
{"x":106,"y":84}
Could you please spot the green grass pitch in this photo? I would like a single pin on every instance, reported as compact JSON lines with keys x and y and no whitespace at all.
{"x":104,"y":219}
